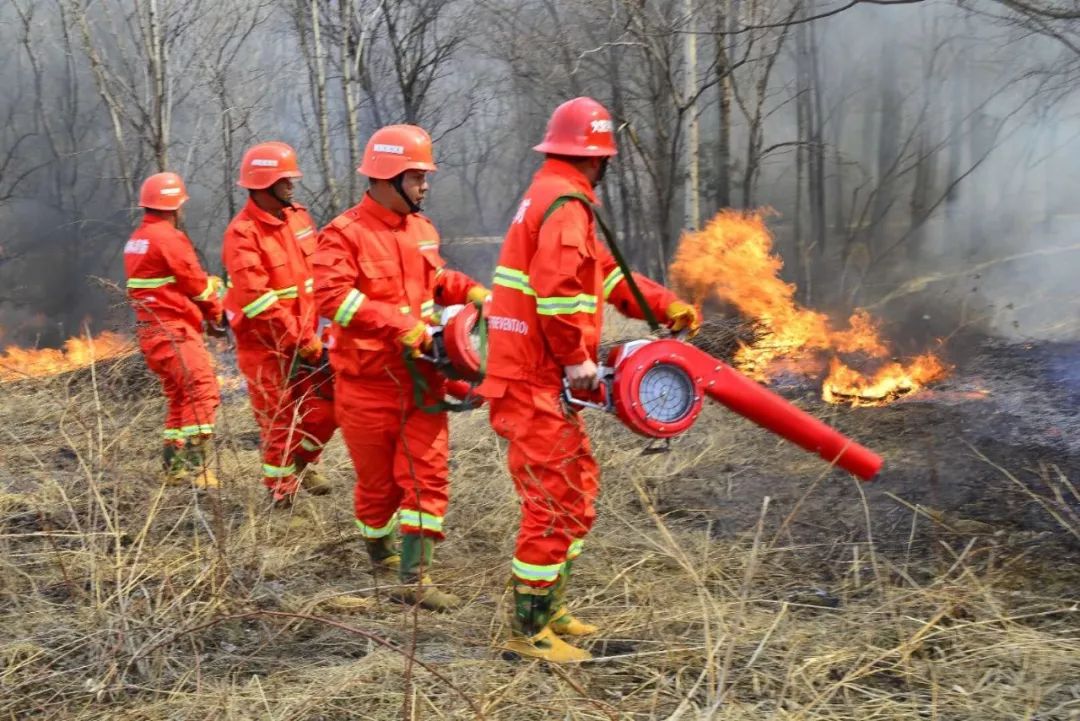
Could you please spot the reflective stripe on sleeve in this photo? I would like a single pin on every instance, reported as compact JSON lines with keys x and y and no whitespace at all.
{"x":211,"y":286}
{"x":513,"y":279}
{"x":144,"y":283}
{"x":348,"y":307}
{"x":260,"y":304}
{"x":557,"y":305}
{"x":611,"y":281}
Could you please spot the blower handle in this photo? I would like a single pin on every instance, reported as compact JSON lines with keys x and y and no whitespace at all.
{"x":602,"y":398}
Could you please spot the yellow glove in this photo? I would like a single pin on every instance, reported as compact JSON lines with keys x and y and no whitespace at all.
{"x":416,"y":338}
{"x":218,"y":286}
{"x":683,"y":316}
{"x":478,"y":294}
{"x":312,"y":350}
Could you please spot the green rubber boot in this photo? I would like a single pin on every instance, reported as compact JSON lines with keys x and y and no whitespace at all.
{"x":562,"y":621}
{"x":417,"y":553}
{"x":530,"y":629}
{"x":383,"y":553}
{"x":175,"y":470}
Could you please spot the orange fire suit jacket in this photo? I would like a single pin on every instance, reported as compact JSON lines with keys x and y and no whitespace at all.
{"x":269,"y":300}
{"x":551,"y":283}
{"x":165,"y":282}
{"x":378,"y":274}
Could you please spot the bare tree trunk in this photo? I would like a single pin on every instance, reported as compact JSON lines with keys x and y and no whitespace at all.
{"x":351,"y":52}
{"x":804,"y":133}
{"x":725,"y":22}
{"x":321,"y":108}
{"x":888,"y":134}
{"x":156,"y":51}
{"x":817,"y":147}
{"x":111,"y":103}
{"x":691,"y":197}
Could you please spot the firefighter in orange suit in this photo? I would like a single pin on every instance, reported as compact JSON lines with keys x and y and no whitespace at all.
{"x":269,"y":303}
{"x":172,"y":296}
{"x":379,"y":277}
{"x":544,"y":322}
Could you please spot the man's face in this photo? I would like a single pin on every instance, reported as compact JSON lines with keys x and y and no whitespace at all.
{"x":283,"y":190}
{"x":415,"y":185}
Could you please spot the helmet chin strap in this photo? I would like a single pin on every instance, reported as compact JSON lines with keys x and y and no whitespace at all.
{"x":602,"y":172}
{"x":399,"y":185}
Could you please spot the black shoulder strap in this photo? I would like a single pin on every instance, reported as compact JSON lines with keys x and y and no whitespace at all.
{"x":609,"y":237}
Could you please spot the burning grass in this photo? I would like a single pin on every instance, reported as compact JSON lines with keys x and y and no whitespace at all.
{"x":18,"y":363}
{"x":732,"y":260}
{"x":121,"y":599}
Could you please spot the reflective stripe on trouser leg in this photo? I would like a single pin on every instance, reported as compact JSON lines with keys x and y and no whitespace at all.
{"x":175,"y":352}
{"x":372,"y":532}
{"x":534,"y":574}
{"x":274,"y":407}
{"x":554,"y":474}
{"x":398,"y":462}
{"x":421,"y":471}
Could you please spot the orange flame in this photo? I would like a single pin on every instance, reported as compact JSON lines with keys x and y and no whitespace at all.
{"x":18,"y":363}
{"x":733,"y":259}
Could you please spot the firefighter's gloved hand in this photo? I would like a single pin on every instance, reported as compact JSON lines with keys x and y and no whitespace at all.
{"x":311,"y":352}
{"x":478,"y":295}
{"x":417,"y":339}
{"x":683,"y":316}
{"x":583,"y":376}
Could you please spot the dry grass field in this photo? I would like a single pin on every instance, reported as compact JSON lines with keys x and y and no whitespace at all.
{"x":733,"y":578}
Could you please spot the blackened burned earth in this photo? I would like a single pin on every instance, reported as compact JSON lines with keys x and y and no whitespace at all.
{"x":992,"y":454}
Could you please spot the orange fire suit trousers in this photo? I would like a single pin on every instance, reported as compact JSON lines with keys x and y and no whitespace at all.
{"x":294,"y":421}
{"x":400,"y":454}
{"x":176,"y":353}
{"x":555,"y":475}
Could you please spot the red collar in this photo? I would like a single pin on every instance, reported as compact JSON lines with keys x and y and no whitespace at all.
{"x":150,"y":219}
{"x":380,"y":212}
{"x":255,"y":212}
{"x":563,"y":169}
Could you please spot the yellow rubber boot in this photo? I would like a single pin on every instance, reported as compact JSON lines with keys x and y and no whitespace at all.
{"x":417,"y":553}
{"x":205,"y":479}
{"x":565,"y":623}
{"x":562,"y":621}
{"x":202,"y":475}
{"x":312,"y":480}
{"x":531,"y":636}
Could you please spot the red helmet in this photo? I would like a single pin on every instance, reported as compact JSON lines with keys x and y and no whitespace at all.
{"x":394,"y":149}
{"x":163,"y":191}
{"x":580,"y":127}
{"x":267,"y":163}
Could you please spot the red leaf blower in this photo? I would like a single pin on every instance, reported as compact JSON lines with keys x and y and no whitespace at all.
{"x":657,"y":388}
